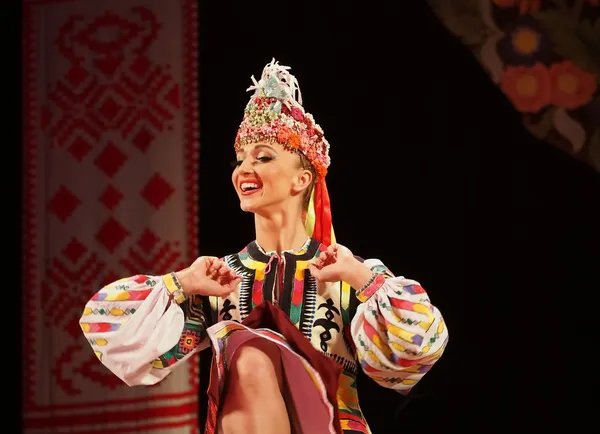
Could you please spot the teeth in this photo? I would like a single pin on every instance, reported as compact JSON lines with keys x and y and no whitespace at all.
{"x":248,"y":186}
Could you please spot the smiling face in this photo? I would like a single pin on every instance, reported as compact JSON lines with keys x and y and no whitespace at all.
{"x":268,"y":178}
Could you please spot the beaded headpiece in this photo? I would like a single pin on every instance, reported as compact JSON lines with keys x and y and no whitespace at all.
{"x":275,"y":114}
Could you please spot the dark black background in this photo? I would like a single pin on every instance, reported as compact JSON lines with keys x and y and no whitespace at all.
{"x":433,"y":173}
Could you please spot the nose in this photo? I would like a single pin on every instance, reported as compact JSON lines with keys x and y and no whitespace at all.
{"x":245,"y":166}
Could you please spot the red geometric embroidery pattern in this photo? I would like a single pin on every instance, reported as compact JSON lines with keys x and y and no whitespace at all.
{"x":93,"y":370}
{"x":110,"y":106}
{"x":79,"y":148}
{"x":107,"y":98}
{"x":157,"y":190}
{"x":69,"y":281}
{"x":189,"y":341}
{"x":72,"y":103}
{"x":63,"y":203}
{"x":143,"y":139}
{"x":147,"y":99}
{"x":74,"y":250}
{"x":111,"y":159}
{"x":152,"y":254}
{"x":147,"y":240}
{"x":110,"y":197}
{"x":111,"y":234}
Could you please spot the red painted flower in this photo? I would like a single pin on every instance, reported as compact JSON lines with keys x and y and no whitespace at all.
{"x":525,"y":6}
{"x":572,"y":87}
{"x":528,"y":88}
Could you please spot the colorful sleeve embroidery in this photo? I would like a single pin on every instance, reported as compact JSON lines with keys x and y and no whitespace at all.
{"x":398,"y":333}
{"x":139,"y":331}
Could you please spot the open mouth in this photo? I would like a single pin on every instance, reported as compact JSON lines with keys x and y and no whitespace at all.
{"x":250,"y":187}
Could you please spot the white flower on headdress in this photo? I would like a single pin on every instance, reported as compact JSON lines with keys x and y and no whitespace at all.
{"x":277,"y":82}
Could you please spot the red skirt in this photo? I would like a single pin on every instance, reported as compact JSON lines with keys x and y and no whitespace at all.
{"x":311,"y":377}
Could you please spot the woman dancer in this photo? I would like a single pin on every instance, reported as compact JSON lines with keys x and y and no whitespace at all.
{"x":291,"y":317}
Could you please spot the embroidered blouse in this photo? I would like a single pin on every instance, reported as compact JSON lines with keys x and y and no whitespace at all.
{"x":390,"y":328}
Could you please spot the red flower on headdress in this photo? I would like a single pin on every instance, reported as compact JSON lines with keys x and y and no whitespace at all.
{"x":312,"y":132}
{"x":297,"y":114}
{"x":320,"y":168}
{"x":283,"y":134}
{"x":310,"y":153}
{"x":294,"y":140}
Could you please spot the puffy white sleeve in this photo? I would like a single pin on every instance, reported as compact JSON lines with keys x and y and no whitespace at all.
{"x":399,"y":335}
{"x":141,"y":327}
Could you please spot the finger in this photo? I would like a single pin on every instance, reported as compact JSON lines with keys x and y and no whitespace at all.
{"x":207,"y":260}
{"x":215,"y":264}
{"x":326,"y":259}
{"x":216,"y":268}
{"x":233,"y":275}
{"x":228,"y":278}
{"x":231,"y":287}
{"x":207,"y":286}
{"x":235,"y":282}
{"x":223,"y":269}
{"x":314,"y":271}
{"x":214,"y":288}
{"x":332,"y":250}
{"x":212,"y":273}
{"x":209,"y":265}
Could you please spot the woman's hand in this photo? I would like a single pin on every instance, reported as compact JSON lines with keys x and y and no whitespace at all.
{"x":208,"y":276}
{"x":336,"y":264}
{"x":333,"y":264}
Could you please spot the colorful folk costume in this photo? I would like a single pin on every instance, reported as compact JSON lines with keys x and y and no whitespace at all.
{"x":325,"y":331}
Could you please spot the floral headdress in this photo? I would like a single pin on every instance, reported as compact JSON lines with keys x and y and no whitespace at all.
{"x":275,"y":114}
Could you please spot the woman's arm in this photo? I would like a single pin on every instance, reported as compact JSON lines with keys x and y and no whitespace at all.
{"x":143,"y":327}
{"x":398,"y":333}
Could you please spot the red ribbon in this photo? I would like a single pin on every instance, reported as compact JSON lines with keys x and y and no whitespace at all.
{"x":323,"y":227}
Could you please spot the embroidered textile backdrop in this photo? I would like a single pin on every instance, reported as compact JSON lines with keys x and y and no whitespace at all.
{"x":110,"y":190}
{"x":545,"y":56}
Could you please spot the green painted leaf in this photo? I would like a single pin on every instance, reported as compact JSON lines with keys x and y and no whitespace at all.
{"x":463,"y":18}
{"x":571,"y":39}
{"x":542,"y":127}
